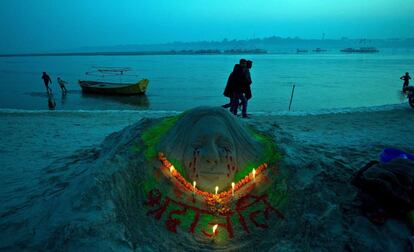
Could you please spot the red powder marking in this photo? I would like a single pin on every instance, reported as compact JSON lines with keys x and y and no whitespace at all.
{"x":250,"y":187}
{"x":265,"y":178}
{"x":252,"y":217}
{"x":227,"y":227}
{"x":195,"y":162}
{"x":158,"y":174}
{"x":195,"y":222}
{"x":154,"y":199}
{"x":177,"y":191}
{"x":243,"y":222}
{"x":271,"y":208}
{"x":209,"y":235}
{"x":172,"y":223}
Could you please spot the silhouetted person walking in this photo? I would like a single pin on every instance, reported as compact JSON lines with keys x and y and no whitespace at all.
{"x":62,"y":85}
{"x":47,"y":80}
{"x":241,"y":85}
{"x":231,"y":83}
{"x":406,"y":78}
{"x":248,"y":91}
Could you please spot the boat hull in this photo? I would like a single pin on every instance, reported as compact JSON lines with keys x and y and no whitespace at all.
{"x":97,"y":87}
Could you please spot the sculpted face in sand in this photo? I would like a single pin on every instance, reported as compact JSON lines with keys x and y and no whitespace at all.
{"x":211,"y":145}
{"x":208,"y":155}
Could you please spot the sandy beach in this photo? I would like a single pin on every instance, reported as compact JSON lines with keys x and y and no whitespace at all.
{"x":67,"y":182}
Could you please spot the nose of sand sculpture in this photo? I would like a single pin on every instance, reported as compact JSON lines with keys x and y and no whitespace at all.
{"x":211,"y":145}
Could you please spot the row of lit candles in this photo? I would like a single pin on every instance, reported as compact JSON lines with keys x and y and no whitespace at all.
{"x":234,"y":186}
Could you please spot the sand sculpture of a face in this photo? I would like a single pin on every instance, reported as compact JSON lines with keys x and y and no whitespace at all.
{"x":211,"y":145}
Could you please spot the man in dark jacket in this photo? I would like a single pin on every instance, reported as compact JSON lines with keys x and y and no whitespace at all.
{"x":231,"y":83}
{"x":241,"y":86}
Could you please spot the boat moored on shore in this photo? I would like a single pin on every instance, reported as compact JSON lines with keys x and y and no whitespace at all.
{"x":109,"y":87}
{"x":99,"y":87}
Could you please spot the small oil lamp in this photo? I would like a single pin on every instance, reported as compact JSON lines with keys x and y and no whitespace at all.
{"x":254,"y":175}
{"x":215,"y":230}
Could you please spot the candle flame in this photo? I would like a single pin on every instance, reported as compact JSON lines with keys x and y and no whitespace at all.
{"x":172,"y":168}
{"x":254,"y":174}
{"x":232,"y":188}
{"x":194,"y":184}
{"x":217,"y":189}
{"x":215,"y":228}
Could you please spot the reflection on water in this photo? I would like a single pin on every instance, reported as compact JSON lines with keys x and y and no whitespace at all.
{"x":75,"y":99}
{"x":63,"y":100}
{"x":51,"y":101}
{"x":38,"y":94}
{"x":139,"y":101}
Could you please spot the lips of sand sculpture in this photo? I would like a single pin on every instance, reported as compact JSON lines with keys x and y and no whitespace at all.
{"x":211,"y":146}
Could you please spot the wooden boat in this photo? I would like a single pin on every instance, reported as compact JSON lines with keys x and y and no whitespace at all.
{"x":99,"y":87}
{"x":112,"y":88}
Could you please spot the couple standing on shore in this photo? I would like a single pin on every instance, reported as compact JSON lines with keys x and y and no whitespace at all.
{"x":238,"y":87}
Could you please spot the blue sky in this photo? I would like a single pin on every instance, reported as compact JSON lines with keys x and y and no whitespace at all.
{"x":45,"y":25}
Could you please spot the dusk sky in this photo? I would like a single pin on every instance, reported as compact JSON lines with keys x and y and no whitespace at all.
{"x":47,"y":25}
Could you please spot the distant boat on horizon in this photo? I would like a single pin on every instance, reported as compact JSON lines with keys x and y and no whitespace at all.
{"x":301,"y":50}
{"x":360,"y":50}
{"x":319,"y":50}
{"x":245,"y":51}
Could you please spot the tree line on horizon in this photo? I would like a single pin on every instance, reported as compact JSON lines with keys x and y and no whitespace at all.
{"x":266,"y":43}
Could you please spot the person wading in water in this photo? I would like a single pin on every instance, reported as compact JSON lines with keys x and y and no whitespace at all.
{"x":406,"y":78}
{"x":47,"y":80}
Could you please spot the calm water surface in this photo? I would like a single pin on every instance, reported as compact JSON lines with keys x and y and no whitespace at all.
{"x":180,"y":82}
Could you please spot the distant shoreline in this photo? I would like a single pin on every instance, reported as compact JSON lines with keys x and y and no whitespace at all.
{"x":140,"y":53}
